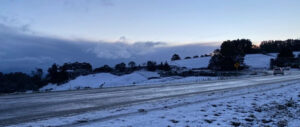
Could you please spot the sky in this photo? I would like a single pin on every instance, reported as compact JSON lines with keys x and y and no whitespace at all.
{"x":38,"y":33}
{"x":24,"y":52}
{"x":172,"y":21}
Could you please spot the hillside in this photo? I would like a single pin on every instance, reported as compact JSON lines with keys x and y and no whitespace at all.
{"x":143,"y":77}
{"x":109,"y":80}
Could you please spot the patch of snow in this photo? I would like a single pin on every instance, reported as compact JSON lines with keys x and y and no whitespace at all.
{"x":110,"y":80}
{"x":253,"y":60}
{"x":104,"y":80}
{"x":258,"y":60}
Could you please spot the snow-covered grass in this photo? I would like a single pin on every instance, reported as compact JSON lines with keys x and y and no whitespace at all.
{"x":267,"y":105}
{"x":103,"y":80}
{"x":110,"y":80}
{"x":255,"y":61}
{"x":258,"y":60}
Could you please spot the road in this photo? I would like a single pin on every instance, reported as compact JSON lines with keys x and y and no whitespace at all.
{"x":15,"y":109}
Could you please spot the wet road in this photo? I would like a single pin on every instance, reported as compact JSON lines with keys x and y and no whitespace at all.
{"x":22,"y":108}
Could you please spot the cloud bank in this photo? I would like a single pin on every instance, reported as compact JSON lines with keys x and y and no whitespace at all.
{"x":24,"y":52}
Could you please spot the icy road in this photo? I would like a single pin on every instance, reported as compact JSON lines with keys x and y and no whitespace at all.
{"x":16,"y":109}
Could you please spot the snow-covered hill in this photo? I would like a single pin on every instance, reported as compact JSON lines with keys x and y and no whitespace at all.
{"x":259,"y":60}
{"x":255,"y":61}
{"x":110,"y":80}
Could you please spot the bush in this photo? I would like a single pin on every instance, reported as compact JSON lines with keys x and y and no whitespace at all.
{"x":231,"y":53}
{"x":164,"y":67}
{"x":187,"y":57}
{"x":132,"y":65}
{"x":16,"y":82}
{"x":285,"y":52}
{"x":121,"y":67}
{"x":226,"y":63}
{"x":151,"y":66}
{"x":175,"y":57}
{"x":104,"y":68}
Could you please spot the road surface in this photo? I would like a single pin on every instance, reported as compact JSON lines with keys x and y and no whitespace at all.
{"x":15,"y":109}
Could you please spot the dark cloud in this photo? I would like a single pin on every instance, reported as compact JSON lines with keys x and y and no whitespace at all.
{"x":21,"y":51}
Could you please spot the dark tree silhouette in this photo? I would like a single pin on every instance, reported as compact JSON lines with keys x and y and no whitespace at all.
{"x":286,"y":52}
{"x":231,"y":53}
{"x":187,"y":57}
{"x":37,"y":78}
{"x":166,"y":67}
{"x":236,"y":47}
{"x":132,"y":65}
{"x":276,"y":45}
{"x":175,"y":57}
{"x":16,"y":82}
{"x":53,"y":74}
{"x":121,"y":67}
{"x":104,"y":68}
{"x":151,"y":66}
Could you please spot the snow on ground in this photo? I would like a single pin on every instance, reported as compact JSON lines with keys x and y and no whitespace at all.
{"x":258,"y":60}
{"x":253,"y":60}
{"x":104,"y":79}
{"x":264,"y":105}
{"x":110,"y":80}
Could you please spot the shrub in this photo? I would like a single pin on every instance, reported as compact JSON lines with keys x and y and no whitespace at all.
{"x":175,"y":57}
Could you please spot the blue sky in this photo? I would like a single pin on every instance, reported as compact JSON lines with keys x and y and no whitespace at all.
{"x":172,"y":21}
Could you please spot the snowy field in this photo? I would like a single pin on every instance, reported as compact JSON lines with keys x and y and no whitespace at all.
{"x":265,"y":105}
{"x":110,"y":80}
{"x":255,"y":61}
{"x":201,"y":62}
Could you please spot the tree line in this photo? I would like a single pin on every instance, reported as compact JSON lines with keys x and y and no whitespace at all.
{"x":273,"y":46}
{"x":231,"y":54}
{"x":59,"y":74}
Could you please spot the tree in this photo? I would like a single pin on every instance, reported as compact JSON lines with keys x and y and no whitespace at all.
{"x":132,"y":65}
{"x":16,"y":82}
{"x":151,"y":66}
{"x":175,"y":57}
{"x":276,"y":45}
{"x":104,"y":68}
{"x":63,"y":76}
{"x":286,"y":52}
{"x":236,"y":47}
{"x":255,"y":49}
{"x":52,"y":74}
{"x":121,"y":67}
{"x":220,"y":62}
{"x":37,"y":78}
{"x":231,"y":52}
{"x":166,"y":67}
{"x":78,"y":68}
{"x":160,"y":66}
{"x":57,"y":75}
